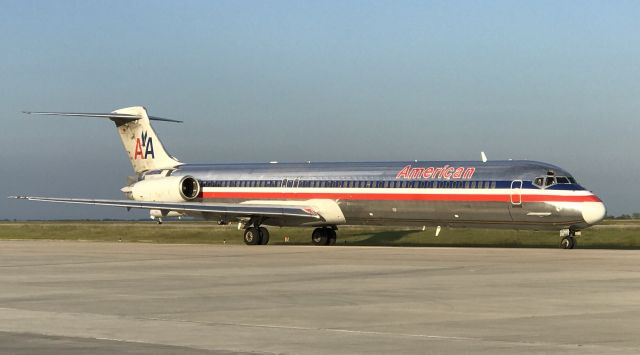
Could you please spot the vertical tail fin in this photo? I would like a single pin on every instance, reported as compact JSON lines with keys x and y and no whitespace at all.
{"x":143,"y":146}
{"x":141,"y":142}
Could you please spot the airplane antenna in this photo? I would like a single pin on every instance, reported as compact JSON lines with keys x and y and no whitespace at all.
{"x":484,"y":157}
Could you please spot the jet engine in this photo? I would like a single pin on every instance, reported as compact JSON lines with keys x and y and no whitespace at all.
{"x":164,"y":189}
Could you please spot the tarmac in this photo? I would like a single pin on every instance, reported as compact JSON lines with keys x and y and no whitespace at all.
{"x":60,"y":297}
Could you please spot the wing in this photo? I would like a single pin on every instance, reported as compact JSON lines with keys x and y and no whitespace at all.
{"x":233,"y":210}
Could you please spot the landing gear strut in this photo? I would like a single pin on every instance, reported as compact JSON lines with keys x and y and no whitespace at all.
{"x":569,"y":241}
{"x":323,"y":236}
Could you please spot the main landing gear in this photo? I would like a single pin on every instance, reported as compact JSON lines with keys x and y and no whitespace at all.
{"x":323,"y":236}
{"x":256,"y":236}
{"x":568,"y":241}
{"x":260,"y":236}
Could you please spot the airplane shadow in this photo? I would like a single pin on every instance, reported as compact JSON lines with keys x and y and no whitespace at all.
{"x":383,"y":238}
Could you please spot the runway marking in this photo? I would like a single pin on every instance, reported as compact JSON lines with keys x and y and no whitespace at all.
{"x":392,"y":334}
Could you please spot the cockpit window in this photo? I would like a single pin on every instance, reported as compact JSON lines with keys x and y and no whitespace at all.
{"x":550,"y":180}
{"x":546,"y":181}
{"x":539,"y":181}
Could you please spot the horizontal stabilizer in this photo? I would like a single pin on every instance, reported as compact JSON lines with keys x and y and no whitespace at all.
{"x":118,"y":116}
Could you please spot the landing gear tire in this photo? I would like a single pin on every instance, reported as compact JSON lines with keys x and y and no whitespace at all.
{"x":252,"y":236}
{"x":320,"y":236}
{"x":332,"y":237}
{"x":323,"y":236}
{"x":264,"y":235}
{"x":568,"y":242}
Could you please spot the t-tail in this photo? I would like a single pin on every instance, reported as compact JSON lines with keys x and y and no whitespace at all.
{"x":141,"y":142}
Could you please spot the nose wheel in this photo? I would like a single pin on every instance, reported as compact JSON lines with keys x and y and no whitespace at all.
{"x":568,"y":242}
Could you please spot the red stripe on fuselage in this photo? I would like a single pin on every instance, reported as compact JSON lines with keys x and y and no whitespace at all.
{"x":398,"y":197}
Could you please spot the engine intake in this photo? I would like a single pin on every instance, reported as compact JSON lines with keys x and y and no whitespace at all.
{"x":189,"y":188}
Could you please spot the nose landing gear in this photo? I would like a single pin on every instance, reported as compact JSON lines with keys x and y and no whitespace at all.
{"x":568,"y":239}
{"x":568,"y":242}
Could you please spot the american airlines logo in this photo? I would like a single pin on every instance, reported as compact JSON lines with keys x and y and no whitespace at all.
{"x":443,"y":172}
{"x":144,"y":147}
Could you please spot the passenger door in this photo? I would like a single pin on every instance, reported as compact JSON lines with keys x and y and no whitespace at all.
{"x":515,"y":202}
{"x":516,"y":193}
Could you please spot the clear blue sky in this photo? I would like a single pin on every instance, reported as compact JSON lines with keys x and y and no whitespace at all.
{"x":557,"y":81}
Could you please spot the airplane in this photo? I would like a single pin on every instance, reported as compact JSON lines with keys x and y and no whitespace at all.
{"x":514,"y":194}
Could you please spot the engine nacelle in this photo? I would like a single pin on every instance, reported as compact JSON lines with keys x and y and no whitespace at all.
{"x":165,"y":189}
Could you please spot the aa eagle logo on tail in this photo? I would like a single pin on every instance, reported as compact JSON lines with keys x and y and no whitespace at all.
{"x":144,"y":142}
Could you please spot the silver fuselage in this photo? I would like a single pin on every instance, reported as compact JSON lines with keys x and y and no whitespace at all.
{"x":497,"y":194}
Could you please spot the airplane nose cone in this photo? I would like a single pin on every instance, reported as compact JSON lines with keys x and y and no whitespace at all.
{"x":593,"y":212}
